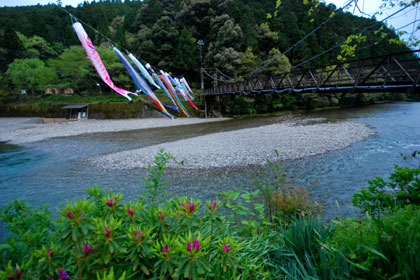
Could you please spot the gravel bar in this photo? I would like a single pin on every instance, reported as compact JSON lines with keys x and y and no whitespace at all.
{"x":246,"y":146}
{"x":27,"y":130}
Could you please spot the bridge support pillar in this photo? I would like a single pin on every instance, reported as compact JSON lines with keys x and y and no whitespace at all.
{"x":212,"y":106}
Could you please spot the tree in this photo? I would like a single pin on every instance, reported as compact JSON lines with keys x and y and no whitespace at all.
{"x":224,"y":51}
{"x":37,"y":45}
{"x":266,"y":38}
{"x":73,"y":68}
{"x":76,"y":71}
{"x":277,"y":62}
{"x":228,"y":60}
{"x":10,"y":45}
{"x":186,"y":55}
{"x":149,"y":13}
{"x":249,"y":61}
{"x":31,"y":74}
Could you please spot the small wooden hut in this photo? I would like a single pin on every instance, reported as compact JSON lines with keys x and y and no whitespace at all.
{"x":78,"y":111}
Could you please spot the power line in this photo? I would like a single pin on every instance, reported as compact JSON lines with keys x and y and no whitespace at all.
{"x":223,"y":74}
{"x":298,"y":42}
{"x":377,"y":42}
{"x":342,"y":42}
{"x":414,"y":19}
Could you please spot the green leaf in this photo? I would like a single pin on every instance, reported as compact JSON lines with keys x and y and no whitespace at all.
{"x":375,"y":252}
{"x":84,"y":229}
{"x":5,"y":246}
{"x":74,"y":234}
{"x":145,"y":270}
{"x":187,"y":270}
{"x":107,"y":258}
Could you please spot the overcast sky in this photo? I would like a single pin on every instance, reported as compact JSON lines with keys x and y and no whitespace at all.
{"x":368,"y":7}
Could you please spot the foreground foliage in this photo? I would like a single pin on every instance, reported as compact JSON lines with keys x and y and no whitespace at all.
{"x":242,"y":236}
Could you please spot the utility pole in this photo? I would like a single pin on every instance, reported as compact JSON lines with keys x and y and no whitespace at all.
{"x":201,"y":44}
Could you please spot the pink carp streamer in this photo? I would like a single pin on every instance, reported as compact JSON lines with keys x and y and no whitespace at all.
{"x":94,"y":57}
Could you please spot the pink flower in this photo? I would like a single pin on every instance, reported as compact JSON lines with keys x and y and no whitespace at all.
{"x":214,"y":205}
{"x":50,"y":252}
{"x":142,"y":234}
{"x":69,"y":214}
{"x":62,"y":274}
{"x":191,"y":206}
{"x":226,"y":248}
{"x":87,"y":249}
{"x":196,"y":245}
{"x":137,"y":233}
{"x":112,"y":201}
{"x":108,"y":233}
{"x":164,"y":250}
{"x":130,"y":212}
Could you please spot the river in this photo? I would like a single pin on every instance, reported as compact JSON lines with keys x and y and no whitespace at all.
{"x":56,"y":170}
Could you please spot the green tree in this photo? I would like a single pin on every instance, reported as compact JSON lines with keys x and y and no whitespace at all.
{"x":31,"y":74}
{"x":76,"y":71}
{"x":149,"y":13}
{"x":228,"y":60}
{"x":249,"y":61}
{"x":165,"y":37}
{"x":224,"y":53}
{"x":73,"y":67}
{"x":267,"y":39}
{"x":10,"y":45}
{"x":277,"y":62}
{"x":37,"y":45}
{"x":186,"y":55}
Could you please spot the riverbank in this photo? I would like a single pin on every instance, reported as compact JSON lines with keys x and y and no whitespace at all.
{"x":292,"y":139}
{"x":28,"y":130}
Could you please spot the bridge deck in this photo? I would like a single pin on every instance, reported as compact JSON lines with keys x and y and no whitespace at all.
{"x":394,"y":72}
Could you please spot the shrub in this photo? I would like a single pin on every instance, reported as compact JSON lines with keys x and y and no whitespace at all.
{"x":283,"y":200}
{"x":305,"y":254}
{"x":402,"y":189}
{"x":384,"y":247}
{"x":104,"y":237}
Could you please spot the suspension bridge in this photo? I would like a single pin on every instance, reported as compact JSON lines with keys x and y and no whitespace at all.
{"x":397,"y":72}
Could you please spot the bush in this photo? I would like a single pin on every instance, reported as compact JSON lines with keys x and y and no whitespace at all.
{"x":283,"y":200}
{"x":179,"y":238}
{"x":402,"y":189}
{"x":382,"y":247}
{"x":103,"y":237}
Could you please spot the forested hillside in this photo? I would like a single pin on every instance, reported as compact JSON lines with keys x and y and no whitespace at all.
{"x":38,"y":48}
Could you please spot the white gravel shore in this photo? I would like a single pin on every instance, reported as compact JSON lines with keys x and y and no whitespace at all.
{"x":246,"y":146}
{"x":293,"y":139}
{"x":27,"y":130}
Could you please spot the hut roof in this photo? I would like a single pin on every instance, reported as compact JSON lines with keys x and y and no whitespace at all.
{"x":75,"y":106}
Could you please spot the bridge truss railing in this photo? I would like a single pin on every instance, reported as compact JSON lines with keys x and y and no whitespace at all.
{"x":389,"y":72}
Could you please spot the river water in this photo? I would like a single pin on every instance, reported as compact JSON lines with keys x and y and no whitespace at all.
{"x":56,"y":170}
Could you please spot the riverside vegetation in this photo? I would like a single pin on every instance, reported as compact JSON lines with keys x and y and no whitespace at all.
{"x":273,"y":232}
{"x":40,"y":53}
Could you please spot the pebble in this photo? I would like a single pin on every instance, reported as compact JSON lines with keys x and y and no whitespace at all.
{"x":246,"y":146}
